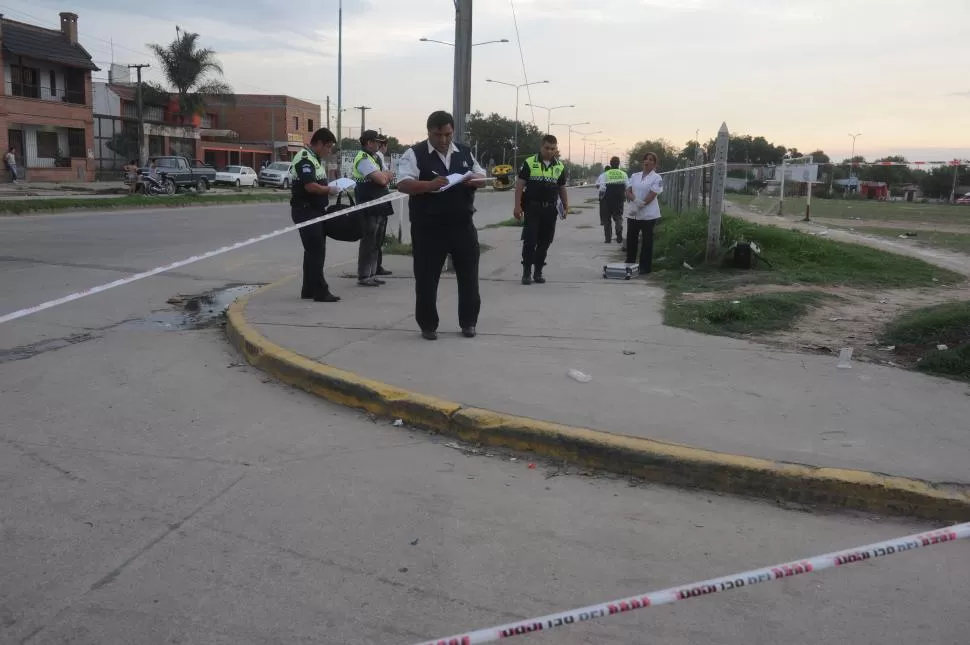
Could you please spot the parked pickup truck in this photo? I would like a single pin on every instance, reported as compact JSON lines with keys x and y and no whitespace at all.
{"x":177,"y":173}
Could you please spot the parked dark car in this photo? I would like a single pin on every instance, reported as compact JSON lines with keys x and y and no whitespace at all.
{"x":178,"y":173}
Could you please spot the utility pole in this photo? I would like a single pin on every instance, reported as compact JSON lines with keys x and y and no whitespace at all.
{"x":463,"y":69}
{"x":340,"y":69}
{"x":956,"y":174}
{"x":363,"y":110}
{"x":328,"y":111}
{"x":718,"y":183}
{"x":141,"y":113}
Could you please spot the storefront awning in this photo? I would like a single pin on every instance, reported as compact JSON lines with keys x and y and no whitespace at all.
{"x":227,"y":134}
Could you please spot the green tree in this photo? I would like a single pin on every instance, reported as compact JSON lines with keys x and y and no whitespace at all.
{"x":394,"y":147}
{"x":494,"y":136}
{"x":195,"y":73}
{"x":894,"y":176}
{"x":938,"y":182}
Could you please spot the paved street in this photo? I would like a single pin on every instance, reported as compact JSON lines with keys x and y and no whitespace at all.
{"x":153,"y":489}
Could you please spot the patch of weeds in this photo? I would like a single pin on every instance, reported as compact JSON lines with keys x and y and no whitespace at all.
{"x":757,"y":314}
{"x":916,"y":335}
{"x":508,"y":222}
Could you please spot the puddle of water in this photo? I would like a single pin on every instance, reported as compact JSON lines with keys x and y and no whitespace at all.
{"x":195,"y":312}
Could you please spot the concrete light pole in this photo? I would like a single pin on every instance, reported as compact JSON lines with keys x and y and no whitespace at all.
{"x":549,"y":112}
{"x":515,"y":131}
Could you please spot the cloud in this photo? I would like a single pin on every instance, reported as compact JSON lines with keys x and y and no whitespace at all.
{"x":962,"y":94}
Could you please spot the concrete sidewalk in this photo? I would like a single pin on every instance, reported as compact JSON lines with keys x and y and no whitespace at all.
{"x":648,"y":380}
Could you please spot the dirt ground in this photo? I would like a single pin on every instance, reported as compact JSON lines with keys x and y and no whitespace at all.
{"x":854,"y":317}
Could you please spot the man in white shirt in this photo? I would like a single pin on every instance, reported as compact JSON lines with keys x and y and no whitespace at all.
{"x":10,"y":160}
{"x":441,"y":222}
{"x":643,"y":189}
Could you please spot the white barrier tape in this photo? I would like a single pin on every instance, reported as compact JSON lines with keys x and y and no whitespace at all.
{"x":20,"y":313}
{"x":195,"y":258}
{"x":707,"y":587}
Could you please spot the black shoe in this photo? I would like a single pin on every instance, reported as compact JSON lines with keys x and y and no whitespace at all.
{"x":326,"y":297}
{"x":526,"y":276}
{"x":538,"y":279}
{"x":469,"y":332}
{"x":368,"y":282}
{"x":619,"y":240}
{"x":306,"y":295}
{"x":429,"y":334}
{"x":383,"y":271}
{"x":379,"y":281}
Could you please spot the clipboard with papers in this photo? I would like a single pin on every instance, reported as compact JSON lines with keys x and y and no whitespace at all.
{"x":455,"y":179}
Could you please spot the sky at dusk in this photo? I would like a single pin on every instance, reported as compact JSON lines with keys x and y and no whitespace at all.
{"x":801,"y":73}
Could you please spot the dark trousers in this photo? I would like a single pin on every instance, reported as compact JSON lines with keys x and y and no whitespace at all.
{"x":431,"y":245}
{"x":634,"y":227}
{"x":367,"y":257}
{"x":609,"y":212}
{"x":381,"y":234}
{"x":314,"y":252}
{"x":537,"y":235}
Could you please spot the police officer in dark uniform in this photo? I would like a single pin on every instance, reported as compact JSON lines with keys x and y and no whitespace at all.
{"x":372,"y":181}
{"x":441,"y":222}
{"x":613,"y":199}
{"x":310,"y":196}
{"x":539,"y":188}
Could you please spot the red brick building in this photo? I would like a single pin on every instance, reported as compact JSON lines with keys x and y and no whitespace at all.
{"x":248,"y":130}
{"x":266,"y":127}
{"x":46,"y":107}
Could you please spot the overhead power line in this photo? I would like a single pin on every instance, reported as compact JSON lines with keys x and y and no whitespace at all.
{"x":525,"y":74}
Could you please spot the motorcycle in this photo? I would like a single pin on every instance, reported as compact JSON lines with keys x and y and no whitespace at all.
{"x":154,"y":186}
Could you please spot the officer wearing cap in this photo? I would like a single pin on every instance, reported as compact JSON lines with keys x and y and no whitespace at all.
{"x":539,"y":188}
{"x":382,"y":223}
{"x":372,"y":181}
{"x":441,"y":222}
{"x":614,"y":195}
{"x":310,"y":196}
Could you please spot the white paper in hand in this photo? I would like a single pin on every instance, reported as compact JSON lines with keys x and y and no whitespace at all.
{"x":560,"y":209}
{"x":344,"y":183}
{"x":454,"y":179}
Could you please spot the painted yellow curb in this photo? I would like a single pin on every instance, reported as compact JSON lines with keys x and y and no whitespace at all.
{"x":655,"y":461}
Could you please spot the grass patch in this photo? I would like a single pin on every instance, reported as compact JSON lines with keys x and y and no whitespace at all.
{"x":57,"y":204}
{"x":508,"y":222}
{"x":796,"y":258}
{"x":959,"y":242}
{"x":917,"y":333}
{"x":393,"y":247}
{"x":864,"y":209}
{"x":757,"y":314}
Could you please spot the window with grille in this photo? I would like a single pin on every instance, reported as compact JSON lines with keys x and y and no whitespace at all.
{"x":296,"y":123}
{"x":47,"y":145}
{"x":76,"y":144}
{"x":309,"y":125}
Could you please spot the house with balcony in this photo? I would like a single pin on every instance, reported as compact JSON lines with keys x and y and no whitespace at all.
{"x":46,"y":110}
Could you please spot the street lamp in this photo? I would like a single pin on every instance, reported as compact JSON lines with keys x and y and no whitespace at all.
{"x":443,"y":42}
{"x":852,"y":158}
{"x":598,"y":144}
{"x":549,"y":112}
{"x":515,"y":134}
{"x":569,"y":153}
{"x":586,"y":134}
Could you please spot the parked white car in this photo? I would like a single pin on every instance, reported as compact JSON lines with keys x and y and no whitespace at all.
{"x":237,"y":176}
{"x":277,"y":175}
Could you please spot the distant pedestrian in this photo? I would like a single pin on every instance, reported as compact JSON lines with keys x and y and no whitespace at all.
{"x":643,"y":212}
{"x":372,"y":181}
{"x":10,"y":161}
{"x":613,"y":192}
{"x":539,"y":190}
{"x":131,"y":176}
{"x":441,"y":222}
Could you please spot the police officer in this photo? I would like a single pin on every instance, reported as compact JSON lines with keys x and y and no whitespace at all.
{"x":372,"y":181}
{"x":310,"y":196}
{"x":382,"y":223}
{"x":614,"y":195}
{"x":441,"y":222}
{"x":541,"y":184}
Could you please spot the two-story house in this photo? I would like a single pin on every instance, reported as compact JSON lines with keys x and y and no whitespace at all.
{"x":46,"y":107}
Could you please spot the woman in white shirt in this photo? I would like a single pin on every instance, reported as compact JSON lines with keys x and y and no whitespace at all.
{"x":643,"y":212}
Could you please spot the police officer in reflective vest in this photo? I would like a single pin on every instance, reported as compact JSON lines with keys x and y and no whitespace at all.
{"x":539,"y":188}
{"x":613,"y":198}
{"x":382,"y":224}
{"x":372,"y":181}
{"x":310,"y":196}
{"x":441,"y":222}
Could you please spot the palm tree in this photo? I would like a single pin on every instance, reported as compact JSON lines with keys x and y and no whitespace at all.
{"x":194,"y":73}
